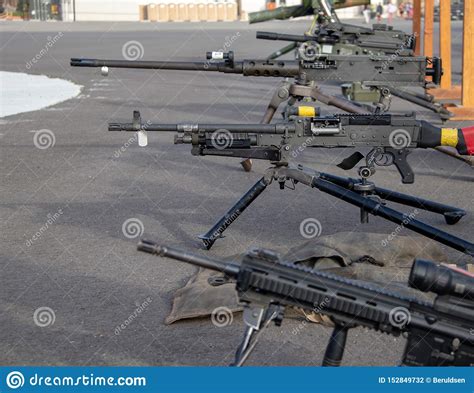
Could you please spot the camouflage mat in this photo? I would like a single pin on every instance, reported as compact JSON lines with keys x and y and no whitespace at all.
{"x":383,"y":260}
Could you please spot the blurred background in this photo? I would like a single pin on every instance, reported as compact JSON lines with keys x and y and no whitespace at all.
{"x":183,"y":10}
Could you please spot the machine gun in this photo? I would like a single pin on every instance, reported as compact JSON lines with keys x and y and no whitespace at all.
{"x":438,"y":333}
{"x":386,"y":71}
{"x":328,"y":35}
{"x":390,"y":138}
{"x":340,"y":39}
{"x":374,"y":70}
{"x":327,"y":27}
{"x":344,"y":39}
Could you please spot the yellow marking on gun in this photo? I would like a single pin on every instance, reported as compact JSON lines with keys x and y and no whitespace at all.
{"x":306,"y":111}
{"x":449,"y":137}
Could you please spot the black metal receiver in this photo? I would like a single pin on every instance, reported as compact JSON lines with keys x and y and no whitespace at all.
{"x":438,"y":333}
{"x":389,"y":138}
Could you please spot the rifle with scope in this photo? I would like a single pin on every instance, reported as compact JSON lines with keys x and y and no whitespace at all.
{"x":438,"y":333}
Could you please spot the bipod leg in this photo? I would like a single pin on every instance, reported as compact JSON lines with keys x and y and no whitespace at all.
{"x":453,"y":153}
{"x":243,"y":351}
{"x":376,"y":208}
{"x":256,"y":319}
{"x":327,"y":99}
{"x":404,"y":95}
{"x":281,"y":94}
{"x":451,"y":214}
{"x":233,"y":213}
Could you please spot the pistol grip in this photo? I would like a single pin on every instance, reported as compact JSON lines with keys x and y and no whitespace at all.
{"x":401,"y":163}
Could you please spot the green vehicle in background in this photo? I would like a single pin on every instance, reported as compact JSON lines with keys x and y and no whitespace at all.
{"x":308,"y":7}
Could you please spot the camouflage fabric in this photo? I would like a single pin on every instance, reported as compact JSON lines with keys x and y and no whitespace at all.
{"x":380,"y":259}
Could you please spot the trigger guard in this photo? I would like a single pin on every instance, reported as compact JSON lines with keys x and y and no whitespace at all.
{"x":384,"y":159}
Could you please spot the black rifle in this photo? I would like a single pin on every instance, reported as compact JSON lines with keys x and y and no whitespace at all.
{"x":438,"y":333}
{"x":391,"y":137}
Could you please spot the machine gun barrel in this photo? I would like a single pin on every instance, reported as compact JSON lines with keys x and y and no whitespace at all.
{"x":161,"y":65}
{"x":266,"y":35}
{"x":149,"y":247}
{"x":279,"y":128}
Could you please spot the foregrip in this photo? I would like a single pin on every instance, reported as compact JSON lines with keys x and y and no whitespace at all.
{"x":336,"y":345}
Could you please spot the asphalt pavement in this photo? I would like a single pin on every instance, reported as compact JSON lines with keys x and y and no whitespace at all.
{"x":71,"y":190}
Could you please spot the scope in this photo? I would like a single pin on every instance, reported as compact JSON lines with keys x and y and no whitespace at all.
{"x":441,"y":279}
